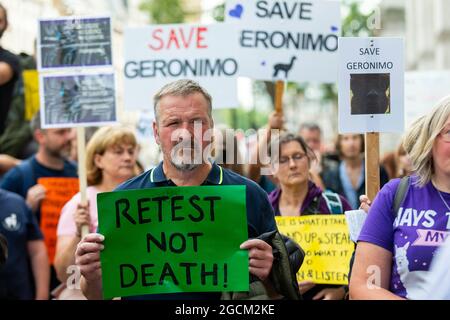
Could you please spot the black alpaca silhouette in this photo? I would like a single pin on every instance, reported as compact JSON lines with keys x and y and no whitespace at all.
{"x":283,"y":66}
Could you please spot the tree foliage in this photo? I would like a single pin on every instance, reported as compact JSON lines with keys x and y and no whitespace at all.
{"x":163,"y":11}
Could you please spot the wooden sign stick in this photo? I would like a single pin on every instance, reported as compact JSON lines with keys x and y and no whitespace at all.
{"x":81,"y":145}
{"x":372,"y":153}
{"x":279,"y":89}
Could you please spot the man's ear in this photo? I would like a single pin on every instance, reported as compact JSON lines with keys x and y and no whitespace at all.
{"x":38,"y":135}
{"x":156,"y":132}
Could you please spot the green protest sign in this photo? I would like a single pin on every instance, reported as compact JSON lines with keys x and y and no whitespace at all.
{"x":173,"y":239}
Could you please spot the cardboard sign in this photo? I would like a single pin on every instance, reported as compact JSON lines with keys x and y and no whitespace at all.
{"x":158,"y":54}
{"x":72,"y":100}
{"x":58,"y":192}
{"x":31,"y":93}
{"x":423,"y":90}
{"x":326,"y":242}
{"x":287,"y":40}
{"x":173,"y":239}
{"x":355,"y":221}
{"x":74,"y":42}
{"x":371,"y":83}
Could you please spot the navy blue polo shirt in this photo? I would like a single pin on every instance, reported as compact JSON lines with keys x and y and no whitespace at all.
{"x":19,"y":226}
{"x":260,"y":216}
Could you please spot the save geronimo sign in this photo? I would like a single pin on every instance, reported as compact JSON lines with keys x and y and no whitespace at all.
{"x":371,"y":83}
{"x":287,"y":40}
{"x":173,"y":239}
{"x":158,"y":54}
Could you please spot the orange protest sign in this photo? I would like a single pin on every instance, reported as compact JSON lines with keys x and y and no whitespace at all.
{"x":58,"y":192}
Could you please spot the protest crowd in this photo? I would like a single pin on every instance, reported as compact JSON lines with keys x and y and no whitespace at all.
{"x":214,"y":218}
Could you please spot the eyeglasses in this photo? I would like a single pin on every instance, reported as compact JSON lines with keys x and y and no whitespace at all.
{"x":297,"y":157}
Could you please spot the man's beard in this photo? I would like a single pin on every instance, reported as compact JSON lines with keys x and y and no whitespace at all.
{"x":191,"y":158}
{"x":184,"y":166}
{"x":59,"y":153}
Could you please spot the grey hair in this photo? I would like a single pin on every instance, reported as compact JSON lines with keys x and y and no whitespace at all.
{"x":183,"y":87}
{"x":310,"y":126}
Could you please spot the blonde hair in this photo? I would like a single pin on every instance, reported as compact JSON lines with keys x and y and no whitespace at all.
{"x":420,"y":138}
{"x":103,"y":139}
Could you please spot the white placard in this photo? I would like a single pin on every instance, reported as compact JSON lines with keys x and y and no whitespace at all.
{"x":355,"y":222}
{"x":287,"y":40}
{"x":371,"y":83}
{"x":77,"y":99}
{"x":423,"y":90}
{"x":74,"y":42}
{"x":158,"y":54}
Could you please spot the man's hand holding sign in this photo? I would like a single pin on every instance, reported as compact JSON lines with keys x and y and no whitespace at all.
{"x":261,"y":257}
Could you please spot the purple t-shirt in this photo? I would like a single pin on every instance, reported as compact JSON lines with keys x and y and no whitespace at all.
{"x":413,"y":235}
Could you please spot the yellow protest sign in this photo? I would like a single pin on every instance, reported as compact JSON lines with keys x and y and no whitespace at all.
{"x":327,"y":245}
{"x":31,"y":87}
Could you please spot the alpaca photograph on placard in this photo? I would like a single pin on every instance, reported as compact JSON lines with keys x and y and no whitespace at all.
{"x":286,"y":67}
{"x":370,"y":93}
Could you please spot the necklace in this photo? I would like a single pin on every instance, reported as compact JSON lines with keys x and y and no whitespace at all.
{"x":442,"y":198}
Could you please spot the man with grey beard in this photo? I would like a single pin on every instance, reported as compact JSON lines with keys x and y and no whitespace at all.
{"x":183,"y":128}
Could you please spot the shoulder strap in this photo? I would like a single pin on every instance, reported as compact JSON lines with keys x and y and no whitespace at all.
{"x":400,"y":194}
{"x":333,"y":201}
{"x":313,"y":207}
{"x":26,"y":169}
